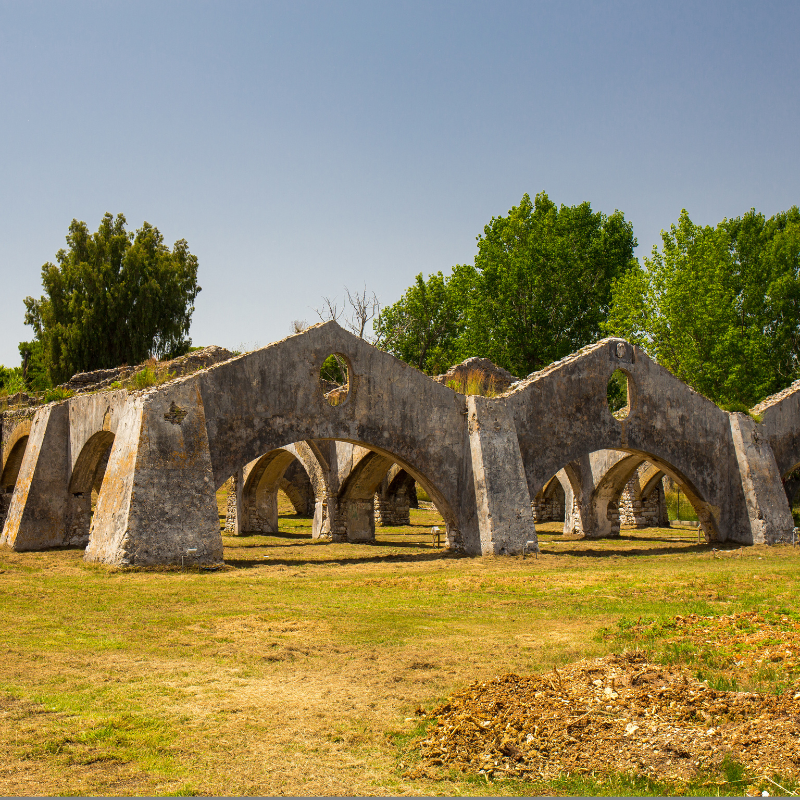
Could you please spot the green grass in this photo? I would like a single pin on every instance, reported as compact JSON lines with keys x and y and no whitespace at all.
{"x":297,"y":668}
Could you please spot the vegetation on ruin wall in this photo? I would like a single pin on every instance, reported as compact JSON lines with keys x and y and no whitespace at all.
{"x":299,"y":668}
{"x":475,"y":382}
{"x":113,"y":298}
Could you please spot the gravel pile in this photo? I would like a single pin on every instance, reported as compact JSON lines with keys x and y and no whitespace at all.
{"x":615,"y":714}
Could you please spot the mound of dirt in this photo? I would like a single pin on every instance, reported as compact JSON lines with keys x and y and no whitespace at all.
{"x":615,"y":714}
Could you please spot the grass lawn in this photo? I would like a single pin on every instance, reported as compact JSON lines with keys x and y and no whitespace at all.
{"x":299,"y":667}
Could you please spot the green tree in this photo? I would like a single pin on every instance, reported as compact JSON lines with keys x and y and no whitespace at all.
{"x":539,"y":290}
{"x":11,"y":380}
{"x":544,"y":277}
{"x":719,"y":306}
{"x":33,"y":369}
{"x":423,"y":327}
{"x":113,"y":298}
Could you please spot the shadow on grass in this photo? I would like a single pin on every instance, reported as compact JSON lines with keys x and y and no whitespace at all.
{"x":633,"y":552}
{"x":410,"y":558}
{"x":282,"y":535}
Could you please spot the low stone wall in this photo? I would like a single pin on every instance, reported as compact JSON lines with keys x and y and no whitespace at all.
{"x":550,"y":509}
{"x":648,"y":512}
{"x":392,"y":511}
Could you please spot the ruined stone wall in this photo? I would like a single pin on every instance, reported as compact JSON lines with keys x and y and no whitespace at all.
{"x":183,"y":365}
{"x":548,"y":509}
{"x":392,"y":511}
{"x":646,"y":512}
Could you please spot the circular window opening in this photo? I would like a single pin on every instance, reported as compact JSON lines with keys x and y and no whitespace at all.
{"x":334,"y":379}
{"x":618,"y":395}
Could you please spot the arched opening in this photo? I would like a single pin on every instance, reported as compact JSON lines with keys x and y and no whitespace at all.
{"x":341,"y":513}
{"x":395,"y":497}
{"x":10,"y":473}
{"x":614,"y":491}
{"x":356,"y":497}
{"x":299,"y":490}
{"x":619,"y":394}
{"x":262,"y":480}
{"x":85,"y":486}
{"x":634,"y":494}
{"x":791,"y":485}
{"x":642,"y":503}
{"x":549,"y":505}
{"x":334,"y":379}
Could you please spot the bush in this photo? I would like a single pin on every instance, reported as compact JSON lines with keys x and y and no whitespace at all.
{"x":57,"y":394}
{"x":11,"y":380}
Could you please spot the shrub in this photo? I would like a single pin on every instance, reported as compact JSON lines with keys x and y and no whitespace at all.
{"x":57,"y":394}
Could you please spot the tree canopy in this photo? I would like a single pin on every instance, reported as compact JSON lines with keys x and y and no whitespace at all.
{"x":719,"y":306}
{"x":113,"y":298}
{"x":423,"y":327}
{"x":539,"y":289}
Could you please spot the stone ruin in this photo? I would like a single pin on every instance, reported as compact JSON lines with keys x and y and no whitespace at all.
{"x":547,"y":447}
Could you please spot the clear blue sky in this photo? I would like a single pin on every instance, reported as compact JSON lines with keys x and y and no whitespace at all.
{"x":300,"y":147}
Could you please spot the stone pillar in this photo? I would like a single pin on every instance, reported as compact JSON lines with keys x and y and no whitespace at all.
{"x":769,"y":517}
{"x":505,"y":520}
{"x":231,"y":515}
{"x":392,"y":510}
{"x":235,"y":513}
{"x":663,"y":513}
{"x":41,"y":506}
{"x":318,"y":524}
{"x":158,"y":501}
{"x":359,"y":520}
{"x":267,"y":512}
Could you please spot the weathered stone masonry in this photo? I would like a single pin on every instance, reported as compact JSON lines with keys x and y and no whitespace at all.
{"x":159,"y":455}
